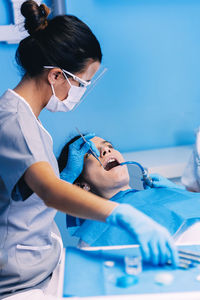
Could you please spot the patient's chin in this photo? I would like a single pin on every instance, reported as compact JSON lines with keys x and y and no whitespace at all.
{"x":118,"y":177}
{"x":118,"y":172}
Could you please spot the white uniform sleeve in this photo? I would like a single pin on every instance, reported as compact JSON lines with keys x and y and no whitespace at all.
{"x":21,"y":146}
{"x":191,"y":174}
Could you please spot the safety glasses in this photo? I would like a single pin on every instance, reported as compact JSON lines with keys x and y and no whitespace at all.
{"x":83,"y":83}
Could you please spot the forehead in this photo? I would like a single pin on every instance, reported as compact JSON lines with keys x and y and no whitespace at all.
{"x":91,"y":68}
{"x":98,"y":141}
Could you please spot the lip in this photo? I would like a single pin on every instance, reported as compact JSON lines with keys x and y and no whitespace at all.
{"x":107,"y":160}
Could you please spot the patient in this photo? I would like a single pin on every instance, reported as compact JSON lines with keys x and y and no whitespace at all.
{"x":169,"y":205}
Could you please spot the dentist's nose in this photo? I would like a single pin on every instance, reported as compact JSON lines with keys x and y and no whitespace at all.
{"x":105,"y":150}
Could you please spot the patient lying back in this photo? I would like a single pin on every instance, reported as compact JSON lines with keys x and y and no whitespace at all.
{"x":168,"y":205}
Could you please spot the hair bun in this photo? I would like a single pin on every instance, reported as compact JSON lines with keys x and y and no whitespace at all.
{"x":44,"y":10}
{"x":35,"y":16}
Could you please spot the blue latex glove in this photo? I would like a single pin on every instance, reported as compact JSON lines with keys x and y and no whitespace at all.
{"x":77,"y":151}
{"x":162,"y":182}
{"x":156,"y":244}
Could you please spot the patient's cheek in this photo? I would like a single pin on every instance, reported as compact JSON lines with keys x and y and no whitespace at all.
{"x":89,"y":169}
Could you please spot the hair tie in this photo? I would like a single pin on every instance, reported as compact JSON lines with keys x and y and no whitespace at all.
{"x":43,"y":11}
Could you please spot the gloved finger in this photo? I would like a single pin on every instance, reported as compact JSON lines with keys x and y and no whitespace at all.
{"x":154,"y":252}
{"x":173,"y":252}
{"x":163,"y":251}
{"x":144,"y":251}
{"x":94,"y":148}
{"x":145,"y":185}
{"x":84,"y":149}
{"x":157,"y":184}
{"x":89,"y":136}
{"x":156,"y":177}
{"x":80,"y":142}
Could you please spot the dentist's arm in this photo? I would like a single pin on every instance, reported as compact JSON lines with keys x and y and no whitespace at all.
{"x":155,"y":241}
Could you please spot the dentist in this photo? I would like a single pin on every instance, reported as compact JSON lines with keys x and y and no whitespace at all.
{"x":59,"y":59}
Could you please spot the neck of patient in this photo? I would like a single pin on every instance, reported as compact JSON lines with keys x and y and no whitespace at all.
{"x":108,"y":193}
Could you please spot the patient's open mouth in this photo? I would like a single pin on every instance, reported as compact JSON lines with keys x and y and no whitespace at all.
{"x":111,"y":163}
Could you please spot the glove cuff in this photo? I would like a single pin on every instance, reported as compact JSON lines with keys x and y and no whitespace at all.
{"x":67,"y":177}
{"x":118,"y":213}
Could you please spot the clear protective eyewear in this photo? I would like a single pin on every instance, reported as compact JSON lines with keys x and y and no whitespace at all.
{"x":76,"y":78}
{"x":89,"y":84}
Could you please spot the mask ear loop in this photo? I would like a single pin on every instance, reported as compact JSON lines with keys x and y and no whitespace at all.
{"x":53,"y":91}
{"x":67,"y":78}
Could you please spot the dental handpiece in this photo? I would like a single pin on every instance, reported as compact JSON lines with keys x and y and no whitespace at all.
{"x":146,"y":178}
{"x":92,"y":152}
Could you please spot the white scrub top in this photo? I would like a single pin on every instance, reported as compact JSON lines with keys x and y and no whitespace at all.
{"x":27,"y":229}
{"x":191,"y":174}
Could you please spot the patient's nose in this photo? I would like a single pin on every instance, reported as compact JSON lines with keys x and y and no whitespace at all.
{"x":105,"y":150}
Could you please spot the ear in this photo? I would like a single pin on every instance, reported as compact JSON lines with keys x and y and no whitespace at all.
{"x":55,"y":75}
{"x":85,"y":186}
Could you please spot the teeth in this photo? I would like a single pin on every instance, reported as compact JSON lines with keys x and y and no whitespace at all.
{"x":111,"y":160}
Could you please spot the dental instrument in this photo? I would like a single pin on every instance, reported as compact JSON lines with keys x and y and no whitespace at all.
{"x":183,"y":264}
{"x":146,"y":178}
{"x":189,"y":257}
{"x":92,"y":152}
{"x":193,"y":253}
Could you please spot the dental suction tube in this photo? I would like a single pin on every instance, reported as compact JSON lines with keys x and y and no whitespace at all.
{"x":146,"y":178}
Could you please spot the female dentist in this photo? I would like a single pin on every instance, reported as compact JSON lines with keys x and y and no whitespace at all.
{"x":59,"y":58}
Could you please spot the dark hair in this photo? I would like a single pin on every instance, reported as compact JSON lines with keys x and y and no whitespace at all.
{"x":64,"y":41}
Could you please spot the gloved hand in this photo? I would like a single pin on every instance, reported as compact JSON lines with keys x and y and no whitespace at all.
{"x":77,"y":150}
{"x":162,"y":182}
{"x":156,"y":244}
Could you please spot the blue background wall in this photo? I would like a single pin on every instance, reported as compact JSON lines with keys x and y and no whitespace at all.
{"x":150,"y":96}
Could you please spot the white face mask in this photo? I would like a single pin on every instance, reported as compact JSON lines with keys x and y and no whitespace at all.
{"x":74,"y":96}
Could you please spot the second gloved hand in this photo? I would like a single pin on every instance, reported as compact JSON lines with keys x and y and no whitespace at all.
{"x":162,"y":182}
{"x":156,"y":244}
{"x":77,"y":151}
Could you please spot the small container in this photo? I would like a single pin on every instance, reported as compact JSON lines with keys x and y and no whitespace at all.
{"x":133,"y":264}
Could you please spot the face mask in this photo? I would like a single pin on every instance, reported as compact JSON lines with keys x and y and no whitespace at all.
{"x":74,"y":96}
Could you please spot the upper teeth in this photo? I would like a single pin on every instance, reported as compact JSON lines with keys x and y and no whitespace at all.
{"x":110,"y":160}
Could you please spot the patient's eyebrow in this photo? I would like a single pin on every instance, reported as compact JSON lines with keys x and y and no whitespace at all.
{"x":106,"y":142}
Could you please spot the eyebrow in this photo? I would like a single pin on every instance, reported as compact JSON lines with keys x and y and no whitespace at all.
{"x":106,"y":142}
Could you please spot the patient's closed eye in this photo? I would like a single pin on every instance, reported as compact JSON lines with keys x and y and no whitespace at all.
{"x":87,"y":155}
